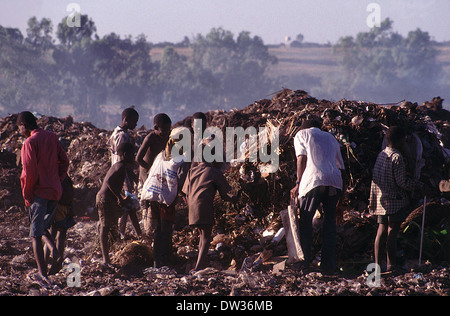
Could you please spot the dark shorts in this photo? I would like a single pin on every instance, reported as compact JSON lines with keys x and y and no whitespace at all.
{"x":42,"y":213}
{"x":399,"y":216}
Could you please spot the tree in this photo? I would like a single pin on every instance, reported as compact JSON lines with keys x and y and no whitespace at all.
{"x":383,"y":65}
{"x":27,"y":74}
{"x":39,"y":33}
{"x":75,"y":62}
{"x":237,"y":66}
{"x":68,"y":35}
{"x":87,"y":72}
{"x":298,"y":41}
{"x":125,"y":67}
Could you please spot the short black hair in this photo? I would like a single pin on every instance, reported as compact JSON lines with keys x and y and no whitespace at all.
{"x":310,"y":123}
{"x":162,"y":119}
{"x":27,"y":119}
{"x":395,"y":135}
{"x":130,"y":112}
{"x":199,"y":115}
{"x":125,"y":148}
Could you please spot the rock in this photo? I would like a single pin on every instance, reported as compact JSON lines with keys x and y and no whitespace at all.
{"x":279,"y":268}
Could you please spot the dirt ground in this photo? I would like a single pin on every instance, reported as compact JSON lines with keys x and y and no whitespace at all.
{"x":244,"y":259}
{"x":270,"y":278}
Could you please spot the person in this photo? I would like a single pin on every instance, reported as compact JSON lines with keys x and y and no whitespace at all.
{"x":319,"y":180}
{"x":63,"y":220}
{"x":109,"y":199}
{"x":120,"y":135}
{"x":44,"y":166}
{"x":389,"y":195}
{"x":202,"y":182}
{"x":197,"y":128}
{"x":166,"y":168}
{"x":153,"y":144}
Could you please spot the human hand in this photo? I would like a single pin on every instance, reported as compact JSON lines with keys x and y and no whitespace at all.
{"x":124,"y":202}
{"x":294,"y":191}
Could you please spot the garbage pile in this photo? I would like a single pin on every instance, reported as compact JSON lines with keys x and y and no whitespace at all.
{"x":248,"y":236}
{"x":359,"y":127}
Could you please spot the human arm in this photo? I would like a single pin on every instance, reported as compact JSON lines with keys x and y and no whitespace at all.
{"x":142,"y":153}
{"x":224,"y":188}
{"x":29,"y":176}
{"x":301,"y":154}
{"x":401,"y":179}
{"x":301,"y":166}
{"x":232,"y":198}
{"x":63,"y":162}
{"x":114,"y":182}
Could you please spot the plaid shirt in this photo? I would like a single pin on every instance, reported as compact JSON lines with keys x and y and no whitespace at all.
{"x":388,"y":191}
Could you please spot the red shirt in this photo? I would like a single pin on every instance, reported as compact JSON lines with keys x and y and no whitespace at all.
{"x":44,"y":166}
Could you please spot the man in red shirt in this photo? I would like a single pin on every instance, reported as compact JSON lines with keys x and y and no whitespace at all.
{"x":44,"y":166}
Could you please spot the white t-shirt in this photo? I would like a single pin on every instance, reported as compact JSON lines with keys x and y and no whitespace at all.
{"x":118,"y":137}
{"x":324,"y":159}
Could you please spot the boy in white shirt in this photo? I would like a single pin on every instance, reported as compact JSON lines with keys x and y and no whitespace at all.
{"x":119,"y":136}
{"x":319,"y":180}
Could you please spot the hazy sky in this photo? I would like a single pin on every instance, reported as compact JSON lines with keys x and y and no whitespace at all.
{"x":170,"y":20}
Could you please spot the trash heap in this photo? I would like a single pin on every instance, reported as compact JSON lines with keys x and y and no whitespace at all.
{"x":248,"y":233}
{"x":360,"y":128}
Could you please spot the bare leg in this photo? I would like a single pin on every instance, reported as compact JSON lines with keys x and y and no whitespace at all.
{"x":135,"y":222}
{"x":380,"y":242}
{"x":391,"y":245}
{"x":38,"y":251}
{"x":104,"y":244}
{"x":123,"y":224}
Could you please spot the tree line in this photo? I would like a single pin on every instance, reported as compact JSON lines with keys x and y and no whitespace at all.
{"x":88,"y":72}
{"x":383,"y":66}
{"x":80,"y":70}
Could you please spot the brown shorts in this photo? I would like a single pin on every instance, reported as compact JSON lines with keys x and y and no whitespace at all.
{"x":109,"y":212}
{"x":61,"y":212}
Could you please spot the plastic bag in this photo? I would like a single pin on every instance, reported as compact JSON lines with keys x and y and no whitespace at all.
{"x":162,"y":182}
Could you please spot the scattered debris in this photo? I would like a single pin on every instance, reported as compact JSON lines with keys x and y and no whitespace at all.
{"x":243,"y":258}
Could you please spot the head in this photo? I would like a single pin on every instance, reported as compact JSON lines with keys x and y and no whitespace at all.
{"x":396,"y":137}
{"x":126,"y":152}
{"x":163,"y":124}
{"x":199,"y":116}
{"x":310,"y":123}
{"x":130,"y":118}
{"x":26,"y":122}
